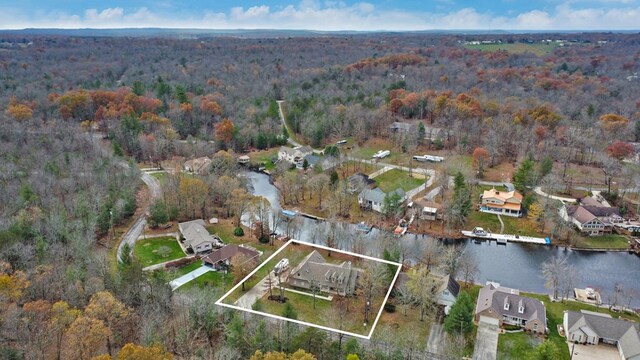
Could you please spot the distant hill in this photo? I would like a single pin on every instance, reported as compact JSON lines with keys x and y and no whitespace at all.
{"x":248,"y":33}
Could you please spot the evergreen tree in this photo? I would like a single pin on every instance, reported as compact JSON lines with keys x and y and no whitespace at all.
{"x":305,"y":164}
{"x":289,"y":312}
{"x":460,"y":318}
{"x":333,"y":178}
{"x":421,"y":132}
{"x":523,"y":179}
{"x":545,"y":167}
{"x":158,"y":214}
{"x":391,"y":204}
{"x":546,"y":351}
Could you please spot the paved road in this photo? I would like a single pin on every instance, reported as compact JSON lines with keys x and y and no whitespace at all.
{"x":189,"y":277}
{"x":436,"y":339}
{"x":132,"y":235}
{"x":486,"y":347}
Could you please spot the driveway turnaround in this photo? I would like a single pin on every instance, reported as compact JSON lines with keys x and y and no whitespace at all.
{"x":188,"y":277}
{"x":594,"y":352}
{"x":486,"y":342}
{"x":257,"y":292}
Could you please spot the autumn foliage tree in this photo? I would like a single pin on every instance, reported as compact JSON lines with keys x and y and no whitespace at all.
{"x":19,"y":112}
{"x":613,"y":122}
{"x":137,"y":352}
{"x":224,"y":131}
{"x":480,"y":158}
{"x":620,"y":150}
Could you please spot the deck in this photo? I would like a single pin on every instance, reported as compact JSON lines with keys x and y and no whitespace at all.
{"x":502,"y":238}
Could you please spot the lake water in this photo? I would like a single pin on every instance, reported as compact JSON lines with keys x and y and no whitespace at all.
{"x":514,"y":265}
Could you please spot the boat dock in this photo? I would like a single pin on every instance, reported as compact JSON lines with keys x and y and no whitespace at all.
{"x":504,"y":238}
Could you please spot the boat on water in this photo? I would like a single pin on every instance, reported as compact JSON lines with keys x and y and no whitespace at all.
{"x":363,"y":227}
{"x":290,"y":213}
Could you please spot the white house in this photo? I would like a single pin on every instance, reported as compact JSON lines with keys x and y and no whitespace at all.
{"x":294,"y":155}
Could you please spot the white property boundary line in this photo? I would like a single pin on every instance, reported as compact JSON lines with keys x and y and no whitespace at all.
{"x":367,"y":337}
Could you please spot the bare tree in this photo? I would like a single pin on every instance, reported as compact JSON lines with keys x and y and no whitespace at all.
{"x":469,"y":267}
{"x":553,"y":270}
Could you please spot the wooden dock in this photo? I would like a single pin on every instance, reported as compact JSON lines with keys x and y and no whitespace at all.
{"x":504,"y":238}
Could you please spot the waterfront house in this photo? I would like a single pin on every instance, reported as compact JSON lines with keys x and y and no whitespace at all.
{"x":294,"y":155}
{"x":314,"y":270}
{"x":508,"y":203}
{"x":198,"y":166}
{"x":500,"y":306}
{"x":592,"y":220}
{"x":196,"y":237}
{"x":587,"y":327}
{"x":373,"y":199}
{"x":446,"y":292}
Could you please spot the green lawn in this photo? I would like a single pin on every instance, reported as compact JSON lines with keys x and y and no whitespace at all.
{"x":514,"y":345}
{"x":176,"y":273}
{"x":603,"y":242}
{"x":302,"y":304}
{"x":159,"y":175}
{"x":516,"y":48}
{"x":157,"y":250}
{"x":393,"y":179}
{"x":210,"y":279}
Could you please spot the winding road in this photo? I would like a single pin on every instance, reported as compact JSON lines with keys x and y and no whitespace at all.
{"x":132,"y":235}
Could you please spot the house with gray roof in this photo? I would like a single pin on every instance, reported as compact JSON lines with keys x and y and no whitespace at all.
{"x":499,"y":305}
{"x":196,"y":236}
{"x":373,"y":199}
{"x":588,"y":327}
{"x":592,"y":220}
{"x":339,"y":279}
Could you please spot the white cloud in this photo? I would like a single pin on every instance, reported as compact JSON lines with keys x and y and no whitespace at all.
{"x":337,"y":15}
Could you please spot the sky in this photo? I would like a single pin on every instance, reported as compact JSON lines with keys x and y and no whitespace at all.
{"x":327,"y":15}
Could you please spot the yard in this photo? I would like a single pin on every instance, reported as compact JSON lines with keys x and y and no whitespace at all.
{"x":157,"y":250}
{"x":514,"y":345}
{"x":210,"y":279}
{"x":516,"y":48}
{"x":394,"y":178}
{"x":302,"y":304}
{"x":264,"y":157}
{"x":612,"y":241}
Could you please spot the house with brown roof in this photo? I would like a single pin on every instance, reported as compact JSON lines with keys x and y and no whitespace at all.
{"x":221,"y":259}
{"x":592,"y":220}
{"x":314,"y":270}
{"x":587,"y":327}
{"x":198,"y":166}
{"x":508,"y":203}
{"x":500,"y":306}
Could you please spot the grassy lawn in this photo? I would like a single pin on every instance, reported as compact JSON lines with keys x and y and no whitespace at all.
{"x":225,"y":228}
{"x":302,"y":304}
{"x":514,"y":345}
{"x":516,"y":48}
{"x":157,"y":250}
{"x":264,"y":157}
{"x":210,"y":279}
{"x":159,"y":175}
{"x":602,"y":242}
{"x":176,"y":273}
{"x":395,"y":178}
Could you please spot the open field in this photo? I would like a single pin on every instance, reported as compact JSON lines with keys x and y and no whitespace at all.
{"x":264,"y":157}
{"x":157,"y":250}
{"x":516,"y":48}
{"x":393,"y":179}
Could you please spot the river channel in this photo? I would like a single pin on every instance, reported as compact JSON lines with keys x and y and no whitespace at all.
{"x":514,"y":265}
